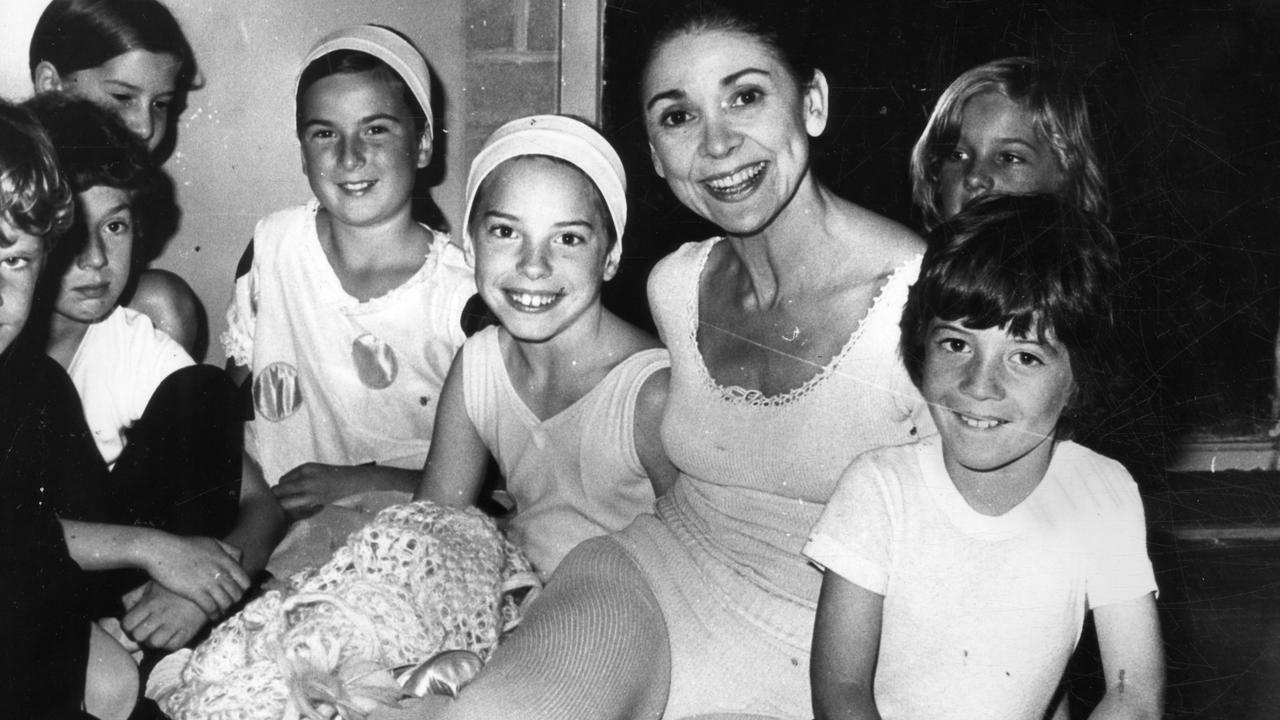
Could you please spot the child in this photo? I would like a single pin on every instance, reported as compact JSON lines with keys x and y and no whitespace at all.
{"x":959,"y":570}
{"x":566,"y":395}
{"x":1011,"y":126}
{"x":166,"y":429}
{"x":130,"y":57}
{"x":347,"y":312}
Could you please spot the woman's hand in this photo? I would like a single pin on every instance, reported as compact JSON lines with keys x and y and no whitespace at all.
{"x":304,"y":490}
{"x":203,"y":570}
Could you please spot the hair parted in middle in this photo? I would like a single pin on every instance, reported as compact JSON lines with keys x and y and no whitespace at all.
{"x":1054,"y":97}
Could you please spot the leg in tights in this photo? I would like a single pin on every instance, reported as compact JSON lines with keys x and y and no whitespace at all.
{"x":593,"y":647}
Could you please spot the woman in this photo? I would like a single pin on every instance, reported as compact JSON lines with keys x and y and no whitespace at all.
{"x":782,"y":336}
{"x":131,"y":57}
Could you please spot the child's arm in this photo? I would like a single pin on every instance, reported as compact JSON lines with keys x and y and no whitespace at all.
{"x":260,"y":520}
{"x":304,"y":490}
{"x":1132,"y":660}
{"x":456,"y":462}
{"x":846,"y":640}
{"x":201,"y":569}
{"x":650,"y":404}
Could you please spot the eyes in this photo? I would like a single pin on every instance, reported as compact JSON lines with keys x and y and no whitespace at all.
{"x":16,"y":262}
{"x":118,"y":226}
{"x":505,"y":231}
{"x":680,"y":113}
{"x":159,"y":105}
{"x":1002,"y":157}
{"x":376,"y":130}
{"x":957,"y":347}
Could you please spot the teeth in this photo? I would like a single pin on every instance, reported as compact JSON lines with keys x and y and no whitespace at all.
{"x":533,"y":300}
{"x":356,"y":186}
{"x":742,"y":176}
{"x":978,"y":423}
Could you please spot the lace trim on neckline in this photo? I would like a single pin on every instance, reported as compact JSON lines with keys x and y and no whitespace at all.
{"x":757,"y":398}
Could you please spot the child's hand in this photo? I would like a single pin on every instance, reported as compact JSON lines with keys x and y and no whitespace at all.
{"x":304,"y":490}
{"x":203,"y":570}
{"x":160,"y":618}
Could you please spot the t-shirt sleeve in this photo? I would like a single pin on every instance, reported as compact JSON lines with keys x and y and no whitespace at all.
{"x":1120,"y":568}
{"x":853,"y":537}
{"x":154,"y":356}
{"x":237,"y":339}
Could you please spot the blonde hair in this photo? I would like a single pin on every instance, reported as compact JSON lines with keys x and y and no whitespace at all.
{"x":1059,"y":114}
{"x":34,"y":195}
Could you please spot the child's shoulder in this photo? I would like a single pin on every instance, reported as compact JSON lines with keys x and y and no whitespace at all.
{"x":1093,"y":476}
{"x":284,"y":229}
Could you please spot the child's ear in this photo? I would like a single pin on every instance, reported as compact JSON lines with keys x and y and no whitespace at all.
{"x":612,"y":261}
{"x":816,"y":95}
{"x":657,"y":166}
{"x":425,"y":146}
{"x":45,"y":77}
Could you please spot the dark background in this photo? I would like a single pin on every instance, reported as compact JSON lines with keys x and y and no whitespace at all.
{"x":1183,"y":97}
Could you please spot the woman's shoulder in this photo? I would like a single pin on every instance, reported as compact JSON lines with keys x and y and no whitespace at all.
{"x":888,"y":239}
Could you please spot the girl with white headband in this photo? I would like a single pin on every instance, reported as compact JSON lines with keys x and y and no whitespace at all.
{"x":347,"y":312}
{"x":565,"y":394}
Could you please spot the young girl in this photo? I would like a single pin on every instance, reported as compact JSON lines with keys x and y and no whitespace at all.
{"x":959,"y":570}
{"x":347,"y":312}
{"x":1011,"y":126}
{"x":567,"y":396}
{"x":166,"y":429}
{"x":130,"y":57}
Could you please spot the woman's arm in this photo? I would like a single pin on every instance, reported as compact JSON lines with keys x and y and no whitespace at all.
{"x":846,"y":640}
{"x":651,"y":403}
{"x":456,"y":462}
{"x":1132,"y":660}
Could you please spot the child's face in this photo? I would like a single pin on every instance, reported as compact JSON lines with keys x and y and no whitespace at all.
{"x":995,"y":398}
{"x":20,"y":264}
{"x":91,"y":286}
{"x":999,"y":151}
{"x":359,"y":148}
{"x":137,"y":86}
{"x":541,"y":245}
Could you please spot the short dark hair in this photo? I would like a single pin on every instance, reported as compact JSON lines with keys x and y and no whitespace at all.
{"x":93,"y":146}
{"x":353,"y":61}
{"x":34,"y":195}
{"x":75,"y":35}
{"x":1032,"y":264}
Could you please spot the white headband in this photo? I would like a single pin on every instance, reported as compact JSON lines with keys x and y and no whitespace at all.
{"x":560,"y":137}
{"x":388,"y":47}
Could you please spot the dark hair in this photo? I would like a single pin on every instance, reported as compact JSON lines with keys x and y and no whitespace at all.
{"x":34,"y":196}
{"x":353,"y":61}
{"x":1031,"y":264}
{"x":778,"y":25}
{"x":74,"y":35}
{"x":93,"y":147}
{"x":1053,"y":96}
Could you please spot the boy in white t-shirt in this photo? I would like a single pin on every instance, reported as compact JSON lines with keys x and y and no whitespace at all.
{"x":959,"y":569}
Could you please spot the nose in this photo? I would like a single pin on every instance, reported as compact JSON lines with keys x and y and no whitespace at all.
{"x":533,"y":262}
{"x":94,"y":255}
{"x":983,"y":379}
{"x":719,"y":136}
{"x":978,"y":178}
{"x":351,"y":153}
{"x":141,"y":124}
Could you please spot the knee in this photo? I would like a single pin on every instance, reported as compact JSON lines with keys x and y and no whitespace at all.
{"x":171,"y":304}
{"x":111,"y":678}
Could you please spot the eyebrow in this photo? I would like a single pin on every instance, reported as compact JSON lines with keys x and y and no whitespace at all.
{"x":726,"y":81}
{"x":308,"y":122}
{"x":576,"y":222}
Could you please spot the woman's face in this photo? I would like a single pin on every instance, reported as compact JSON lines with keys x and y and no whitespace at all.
{"x":729,"y":126}
{"x":137,"y":86}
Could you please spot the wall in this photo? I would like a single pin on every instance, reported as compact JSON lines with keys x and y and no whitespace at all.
{"x":236,"y":157}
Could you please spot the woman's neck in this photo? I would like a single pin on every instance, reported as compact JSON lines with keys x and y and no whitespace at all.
{"x":65,"y":336}
{"x":802,"y":247}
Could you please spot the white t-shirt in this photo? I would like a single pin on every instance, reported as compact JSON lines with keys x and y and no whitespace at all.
{"x":116,"y":369}
{"x":337,"y":380}
{"x":981,"y":613}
